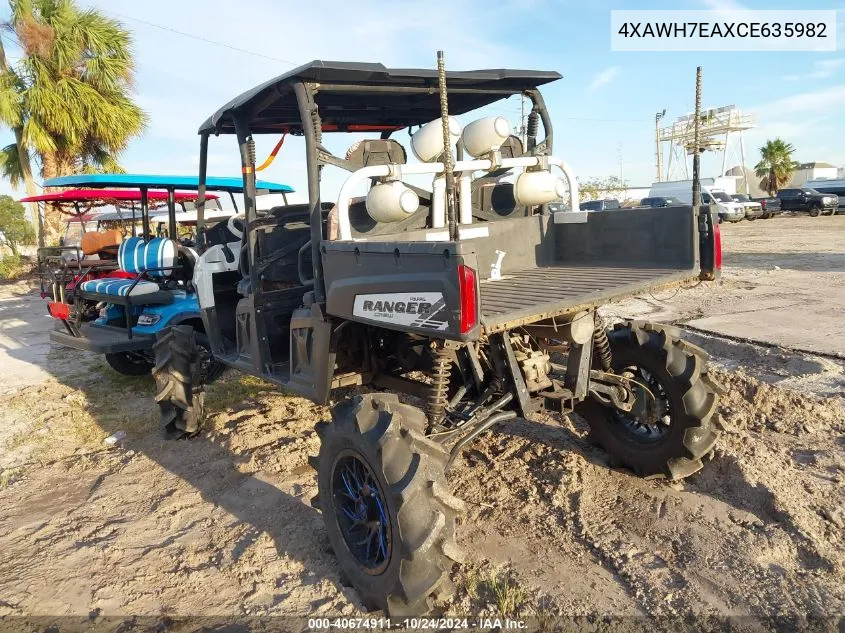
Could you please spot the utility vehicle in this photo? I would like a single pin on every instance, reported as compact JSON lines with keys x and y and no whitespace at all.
{"x":467,"y":296}
{"x":91,"y":241}
{"x":116,"y":306}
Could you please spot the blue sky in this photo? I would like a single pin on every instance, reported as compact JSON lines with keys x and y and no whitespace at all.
{"x":603,"y":109}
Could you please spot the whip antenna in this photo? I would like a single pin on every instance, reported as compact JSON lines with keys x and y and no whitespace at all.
{"x":447,"y":148}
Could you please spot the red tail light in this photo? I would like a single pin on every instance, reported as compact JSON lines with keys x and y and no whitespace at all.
{"x":59,"y":310}
{"x":717,"y":246}
{"x":469,"y":304}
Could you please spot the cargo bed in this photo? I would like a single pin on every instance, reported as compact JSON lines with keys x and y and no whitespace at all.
{"x":523,"y":296}
{"x":548,"y":265}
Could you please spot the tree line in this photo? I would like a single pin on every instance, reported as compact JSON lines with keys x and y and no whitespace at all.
{"x":68,"y":97}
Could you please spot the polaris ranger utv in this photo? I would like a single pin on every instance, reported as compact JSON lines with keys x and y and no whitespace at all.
{"x":469,"y":296}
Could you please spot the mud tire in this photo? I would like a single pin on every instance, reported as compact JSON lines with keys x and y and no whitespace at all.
{"x":692,"y":394}
{"x":179,"y":388}
{"x":408,"y":468}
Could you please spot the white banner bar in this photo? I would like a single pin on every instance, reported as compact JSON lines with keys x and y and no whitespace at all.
{"x":738,"y":30}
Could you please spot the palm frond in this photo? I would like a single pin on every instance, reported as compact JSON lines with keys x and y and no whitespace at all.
{"x":10,"y":165}
{"x":11,"y":99}
{"x":71,"y":93}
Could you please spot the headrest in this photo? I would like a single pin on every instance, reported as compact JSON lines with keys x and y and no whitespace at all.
{"x":512,"y":147}
{"x":160,"y":252}
{"x":92,"y":243}
{"x":377,"y":152}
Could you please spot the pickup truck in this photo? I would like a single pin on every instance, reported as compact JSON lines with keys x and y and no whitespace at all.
{"x":771,"y":207}
{"x":808,"y":200}
{"x":753,"y":209}
{"x":657,"y":202}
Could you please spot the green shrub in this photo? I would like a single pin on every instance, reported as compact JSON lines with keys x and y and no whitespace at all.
{"x":15,"y":229}
{"x":11,"y":267}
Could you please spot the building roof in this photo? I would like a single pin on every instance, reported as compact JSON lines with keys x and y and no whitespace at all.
{"x":816,"y":165}
{"x":754,"y":189}
{"x":353,"y":95}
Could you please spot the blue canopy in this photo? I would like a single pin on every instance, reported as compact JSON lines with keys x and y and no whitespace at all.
{"x":138,"y":181}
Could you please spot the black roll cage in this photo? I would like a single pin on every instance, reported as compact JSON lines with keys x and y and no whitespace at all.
{"x":312,"y":131}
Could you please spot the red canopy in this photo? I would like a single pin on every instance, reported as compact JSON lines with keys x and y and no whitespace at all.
{"x":111,"y":196}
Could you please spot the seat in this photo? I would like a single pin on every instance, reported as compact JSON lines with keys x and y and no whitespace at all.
{"x":119,"y":287}
{"x":159,"y":252}
{"x":136,"y":257}
{"x":106,"y":243}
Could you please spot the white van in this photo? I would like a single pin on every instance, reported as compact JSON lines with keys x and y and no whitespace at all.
{"x":729,"y":210}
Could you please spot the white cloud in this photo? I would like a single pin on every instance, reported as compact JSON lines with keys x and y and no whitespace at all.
{"x":604,"y":77}
{"x":821,"y":69}
{"x":823,"y":102}
{"x":808,"y":120}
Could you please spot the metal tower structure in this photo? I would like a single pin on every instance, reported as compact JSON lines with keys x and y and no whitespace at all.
{"x":720,"y":129}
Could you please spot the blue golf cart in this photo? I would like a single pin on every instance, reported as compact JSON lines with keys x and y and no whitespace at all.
{"x":156,"y":289}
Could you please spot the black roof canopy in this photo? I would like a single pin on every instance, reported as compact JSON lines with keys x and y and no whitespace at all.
{"x":363,"y":94}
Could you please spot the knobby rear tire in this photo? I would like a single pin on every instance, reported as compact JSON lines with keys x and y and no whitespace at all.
{"x":692,"y":395}
{"x":387,"y":437}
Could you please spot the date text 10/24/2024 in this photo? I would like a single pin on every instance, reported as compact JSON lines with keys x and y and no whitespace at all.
{"x":417,"y":624}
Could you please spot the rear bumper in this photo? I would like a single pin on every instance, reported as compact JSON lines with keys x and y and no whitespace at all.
{"x":103,"y":339}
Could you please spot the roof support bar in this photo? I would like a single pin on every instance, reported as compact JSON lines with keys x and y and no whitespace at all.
{"x":308,"y":116}
{"x":248,"y":171}
{"x":201,"y":192}
{"x":145,"y":215}
{"x":171,"y":214}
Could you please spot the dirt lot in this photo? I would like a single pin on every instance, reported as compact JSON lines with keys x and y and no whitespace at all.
{"x":221,"y":525}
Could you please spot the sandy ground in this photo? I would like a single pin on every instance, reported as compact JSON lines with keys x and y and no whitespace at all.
{"x":221,"y":526}
{"x":782,"y":284}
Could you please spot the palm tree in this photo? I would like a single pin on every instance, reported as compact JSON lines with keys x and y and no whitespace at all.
{"x":68,"y":98}
{"x":776,"y":165}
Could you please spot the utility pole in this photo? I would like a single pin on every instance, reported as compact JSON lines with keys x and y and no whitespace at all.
{"x":658,"y":150}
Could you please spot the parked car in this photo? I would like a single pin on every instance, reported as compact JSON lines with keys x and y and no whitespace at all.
{"x":660,"y":201}
{"x":600,"y":205}
{"x":771,"y":207}
{"x":753,"y":210}
{"x":681,"y":190}
{"x":808,"y":200}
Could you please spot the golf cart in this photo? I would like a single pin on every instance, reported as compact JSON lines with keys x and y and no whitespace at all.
{"x":148,"y":286}
{"x":468,"y":295}
{"x":89,"y":248}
